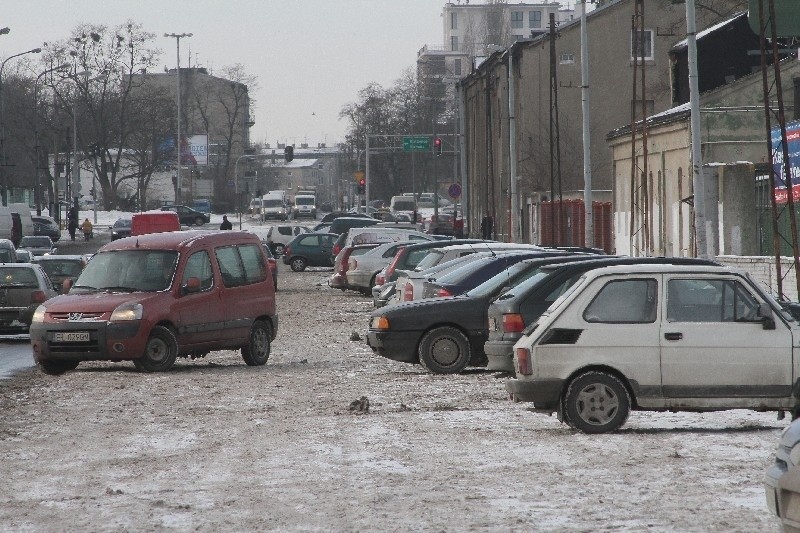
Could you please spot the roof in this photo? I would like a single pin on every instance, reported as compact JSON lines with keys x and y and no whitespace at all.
{"x":680,"y":45}
{"x":660,"y":269}
{"x":172,"y":240}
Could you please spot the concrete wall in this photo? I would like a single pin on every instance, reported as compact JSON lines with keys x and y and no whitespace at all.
{"x":762,"y":269}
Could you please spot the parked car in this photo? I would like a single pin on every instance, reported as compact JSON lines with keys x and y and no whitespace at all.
{"x":445,"y":335}
{"x":382,"y":295}
{"x":515,"y":310}
{"x":470,"y":276}
{"x":659,"y":338}
{"x":322,"y":227}
{"x":380,"y":234}
{"x":782,"y":479}
{"x":134,"y":293}
{"x":273,"y":264}
{"x":342,"y":224}
{"x":187,"y":215}
{"x":23,"y":287}
{"x":121,"y":229}
{"x":60,"y":268}
{"x":38,"y":245}
{"x":47,"y":226}
{"x":23,"y":256}
{"x":441,"y":224}
{"x":310,"y":249}
{"x":8,"y":252}
{"x":336,"y":214}
{"x":342,"y":262}
{"x":363,"y":269}
{"x":279,"y":236}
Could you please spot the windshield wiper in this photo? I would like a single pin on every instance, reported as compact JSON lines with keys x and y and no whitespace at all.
{"x":85,"y":287}
{"x":119,"y":289}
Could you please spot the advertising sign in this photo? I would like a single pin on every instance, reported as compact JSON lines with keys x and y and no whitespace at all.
{"x":194,"y":150}
{"x":793,"y":142}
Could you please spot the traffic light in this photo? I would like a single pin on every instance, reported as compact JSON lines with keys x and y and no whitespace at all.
{"x":362,"y":186}
{"x":437,"y":146}
{"x":288,"y":153}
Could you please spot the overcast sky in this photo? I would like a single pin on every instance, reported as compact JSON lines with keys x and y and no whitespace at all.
{"x":310,"y":56}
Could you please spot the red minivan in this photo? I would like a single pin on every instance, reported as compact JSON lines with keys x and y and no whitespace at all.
{"x":156,"y":297}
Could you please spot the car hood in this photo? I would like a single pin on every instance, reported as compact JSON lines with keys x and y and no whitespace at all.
{"x":469,"y":313}
{"x":95,"y":302}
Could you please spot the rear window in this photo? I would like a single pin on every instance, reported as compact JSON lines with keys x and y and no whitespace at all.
{"x":18,"y":277}
{"x":34,"y":241}
{"x":431,"y":259}
{"x":70,"y":268}
{"x":403,"y":205}
{"x":285,"y":230}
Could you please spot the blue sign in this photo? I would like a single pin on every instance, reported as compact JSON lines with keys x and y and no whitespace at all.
{"x":793,"y":143}
{"x":454,"y":191}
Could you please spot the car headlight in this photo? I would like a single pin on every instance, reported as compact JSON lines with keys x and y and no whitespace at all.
{"x":127,"y":311}
{"x":38,"y":315}
{"x":380,"y":322}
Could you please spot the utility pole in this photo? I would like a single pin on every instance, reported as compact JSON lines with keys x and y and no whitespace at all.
{"x":697,"y":154}
{"x":178,"y":37}
{"x":587,"y":153}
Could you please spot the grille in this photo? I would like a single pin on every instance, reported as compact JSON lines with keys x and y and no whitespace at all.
{"x":83,"y":317}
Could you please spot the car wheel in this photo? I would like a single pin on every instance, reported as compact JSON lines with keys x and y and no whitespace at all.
{"x":444,"y":350}
{"x":298,"y":264}
{"x":159,"y":352}
{"x":58,"y":367}
{"x":199,"y":221}
{"x":597,"y":402}
{"x":256,"y":352}
{"x":278,"y":249}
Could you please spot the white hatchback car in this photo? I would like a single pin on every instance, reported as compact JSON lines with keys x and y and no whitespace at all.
{"x":658,"y":338}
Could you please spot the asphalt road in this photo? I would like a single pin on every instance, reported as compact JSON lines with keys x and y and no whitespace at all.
{"x":15,"y":350}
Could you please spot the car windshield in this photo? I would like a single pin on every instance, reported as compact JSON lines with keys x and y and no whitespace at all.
{"x":62,"y":267}
{"x":123,"y":223}
{"x":304,"y":201}
{"x":509,"y":277}
{"x":431,"y":259}
{"x":35,"y":242}
{"x":272,"y":203}
{"x":129,"y":270}
{"x":524,"y":286}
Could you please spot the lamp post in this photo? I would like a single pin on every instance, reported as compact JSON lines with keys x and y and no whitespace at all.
{"x":2,"y":107}
{"x":236,"y":183}
{"x":37,"y":193}
{"x":178,"y":37}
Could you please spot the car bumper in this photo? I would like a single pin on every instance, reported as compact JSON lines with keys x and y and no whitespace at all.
{"x":771,"y":479}
{"x":359,"y":279}
{"x":500,"y":355}
{"x":16,"y":319}
{"x":545,"y":394}
{"x":339,"y":281}
{"x":395,"y":345}
{"x":107,"y":341}
{"x":783,"y":495}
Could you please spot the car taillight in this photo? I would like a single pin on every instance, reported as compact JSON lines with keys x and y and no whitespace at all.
{"x":444,"y":292}
{"x":524,"y":361}
{"x":287,"y":251}
{"x":38,"y":297}
{"x":336,"y":250}
{"x":513,"y":323}
{"x":380,"y":280}
{"x":408,"y":292}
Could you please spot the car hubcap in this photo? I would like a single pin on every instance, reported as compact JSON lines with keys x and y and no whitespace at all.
{"x":597,"y":404}
{"x":445,"y":351}
{"x":298,"y":264}
{"x":157,"y":350}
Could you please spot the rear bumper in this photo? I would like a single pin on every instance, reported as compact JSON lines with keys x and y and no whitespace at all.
{"x":500,"y":355}
{"x":359,"y":279}
{"x":545,"y":394}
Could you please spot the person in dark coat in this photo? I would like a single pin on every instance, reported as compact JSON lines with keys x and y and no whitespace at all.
{"x":72,"y":222}
{"x":226,"y":224}
{"x":486,"y":227}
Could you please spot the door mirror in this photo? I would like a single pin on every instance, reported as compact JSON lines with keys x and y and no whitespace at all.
{"x":66,"y":285}
{"x":192,"y":285}
{"x":766,"y":316}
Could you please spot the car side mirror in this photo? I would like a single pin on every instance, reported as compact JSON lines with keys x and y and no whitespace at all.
{"x":192,"y":285}
{"x":766,"y":316}
{"x":66,"y":285}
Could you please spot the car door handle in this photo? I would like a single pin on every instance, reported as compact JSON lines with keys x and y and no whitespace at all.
{"x":673,"y":336}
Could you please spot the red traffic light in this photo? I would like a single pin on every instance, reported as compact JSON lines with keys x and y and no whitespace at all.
{"x":437,"y":146}
{"x":362,"y":182}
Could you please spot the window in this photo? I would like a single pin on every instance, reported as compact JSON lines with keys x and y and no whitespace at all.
{"x":255,"y":270}
{"x":454,"y":43}
{"x":535,"y":19}
{"x":230,"y":266}
{"x":285,"y":230}
{"x":453,"y":21}
{"x":566,"y":59}
{"x":705,"y":300}
{"x":517,"y":19}
{"x":311,"y":240}
{"x":199,"y":266}
{"x":646,"y":40}
{"x":625,"y":301}
{"x":457,"y":67}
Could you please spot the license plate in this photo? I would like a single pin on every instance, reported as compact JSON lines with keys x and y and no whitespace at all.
{"x":71,"y":336}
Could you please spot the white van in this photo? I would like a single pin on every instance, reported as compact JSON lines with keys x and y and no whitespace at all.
{"x":24,"y":212}
{"x":376,"y":234}
{"x":404,"y":204}
{"x":273,"y":205}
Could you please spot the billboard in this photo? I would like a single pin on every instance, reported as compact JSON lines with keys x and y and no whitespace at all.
{"x":793,"y":143}
{"x":194,"y":150}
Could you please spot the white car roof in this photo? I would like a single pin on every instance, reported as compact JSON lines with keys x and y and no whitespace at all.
{"x":660,"y":269}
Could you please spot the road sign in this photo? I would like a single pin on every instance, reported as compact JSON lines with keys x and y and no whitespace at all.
{"x":359,"y":175}
{"x":416,"y":143}
{"x":454,"y":190}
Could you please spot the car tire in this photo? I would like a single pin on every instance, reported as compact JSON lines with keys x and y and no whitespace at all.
{"x":298,"y":264}
{"x":444,"y":350}
{"x":57,"y":367}
{"x":256,"y":352}
{"x":597,"y":402}
{"x":278,"y":250}
{"x":199,"y":221}
{"x":160,"y":351}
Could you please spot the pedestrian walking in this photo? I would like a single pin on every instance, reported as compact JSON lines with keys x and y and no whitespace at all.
{"x":87,"y":228}
{"x":487,"y":225}
{"x":226,"y":224}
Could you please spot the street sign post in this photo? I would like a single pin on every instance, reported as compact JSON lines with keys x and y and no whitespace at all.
{"x":416,"y":143}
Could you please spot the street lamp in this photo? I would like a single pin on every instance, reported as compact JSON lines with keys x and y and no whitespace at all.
{"x":37,"y":193}
{"x":2,"y":106}
{"x":178,"y":37}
